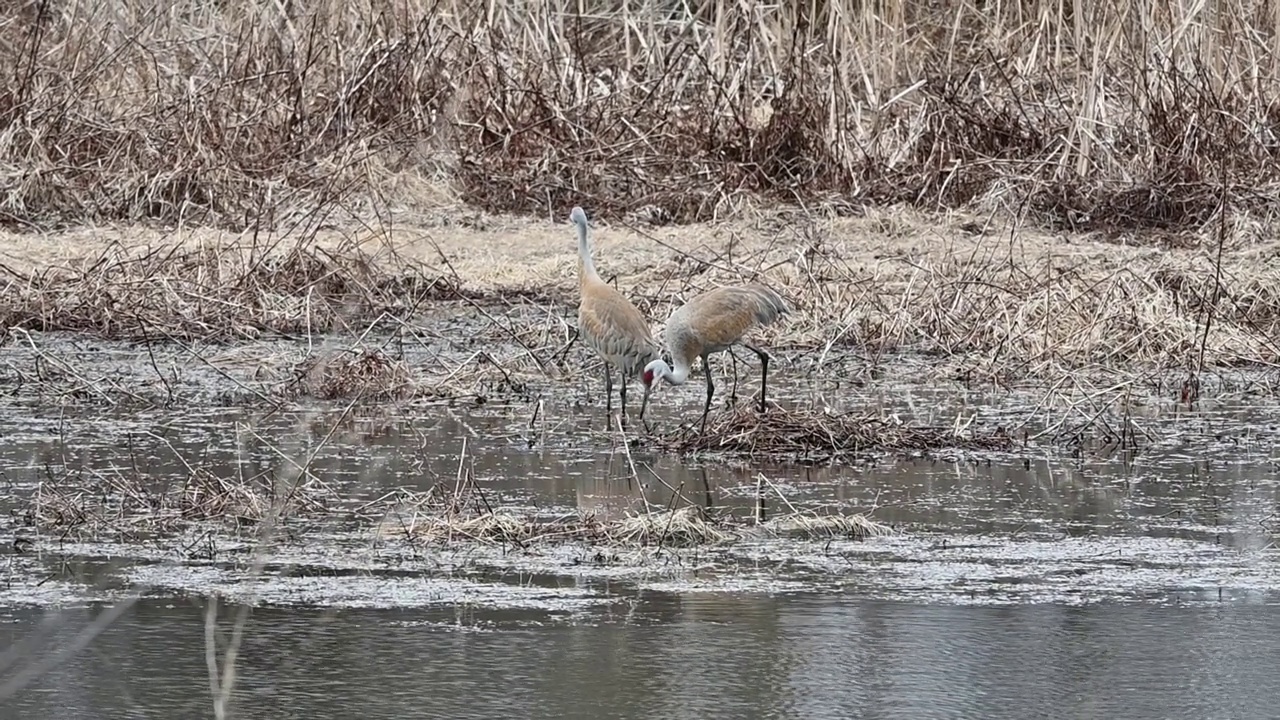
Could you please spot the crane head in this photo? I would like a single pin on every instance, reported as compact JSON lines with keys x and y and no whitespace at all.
{"x":653,"y":372}
{"x":577,"y":216}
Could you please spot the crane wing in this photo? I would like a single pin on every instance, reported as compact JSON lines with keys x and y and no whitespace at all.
{"x":720,"y":317}
{"x":613,"y":327}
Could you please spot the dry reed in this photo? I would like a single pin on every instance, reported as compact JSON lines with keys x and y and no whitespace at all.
{"x":973,"y":308}
{"x":984,"y":306}
{"x":251,"y":113}
{"x":259,"y":115}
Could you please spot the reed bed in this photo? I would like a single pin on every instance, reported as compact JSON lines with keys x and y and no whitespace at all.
{"x":980,"y":304}
{"x":970,"y":307}
{"x":251,"y":113}
{"x":1142,"y":124}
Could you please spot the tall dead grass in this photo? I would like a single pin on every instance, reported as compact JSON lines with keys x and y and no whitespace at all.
{"x":247,"y":112}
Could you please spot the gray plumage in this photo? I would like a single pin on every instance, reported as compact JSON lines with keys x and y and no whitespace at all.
{"x":713,"y":322}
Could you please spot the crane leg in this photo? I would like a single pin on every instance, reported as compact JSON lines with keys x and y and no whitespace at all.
{"x":623,"y":392}
{"x":608,"y":394}
{"x":564,"y":351}
{"x":733,"y":389}
{"x":711,"y":391}
{"x":764,"y":370}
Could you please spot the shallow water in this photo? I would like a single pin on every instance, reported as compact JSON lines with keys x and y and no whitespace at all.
{"x":1056,"y":580}
{"x":678,"y":656}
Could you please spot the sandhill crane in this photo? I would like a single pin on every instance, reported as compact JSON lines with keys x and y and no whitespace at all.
{"x":609,"y":324}
{"x":710,"y":323}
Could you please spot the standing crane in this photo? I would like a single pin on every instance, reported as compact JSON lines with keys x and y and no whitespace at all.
{"x":609,"y":324}
{"x":710,"y":323}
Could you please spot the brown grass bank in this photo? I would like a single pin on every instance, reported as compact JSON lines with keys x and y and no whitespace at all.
{"x":229,"y":288}
{"x":252,"y":113}
{"x":500,"y":294}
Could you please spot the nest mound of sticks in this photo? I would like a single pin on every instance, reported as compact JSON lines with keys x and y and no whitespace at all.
{"x":368,"y":373}
{"x":807,"y":435}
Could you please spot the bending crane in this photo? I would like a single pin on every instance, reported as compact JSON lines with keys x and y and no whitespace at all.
{"x":710,"y":323}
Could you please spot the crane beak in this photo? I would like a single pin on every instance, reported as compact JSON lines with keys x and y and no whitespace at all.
{"x":644,"y":404}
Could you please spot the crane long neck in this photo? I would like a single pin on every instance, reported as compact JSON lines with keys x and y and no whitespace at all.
{"x":586,"y":265}
{"x":680,"y":373}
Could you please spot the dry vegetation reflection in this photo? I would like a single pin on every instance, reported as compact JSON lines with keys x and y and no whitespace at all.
{"x":460,"y":513}
{"x":129,"y":505}
{"x":246,"y":112}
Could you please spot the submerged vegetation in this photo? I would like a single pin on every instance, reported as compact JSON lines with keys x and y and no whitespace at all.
{"x":133,"y":505}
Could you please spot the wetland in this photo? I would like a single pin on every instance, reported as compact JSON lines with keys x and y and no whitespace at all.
{"x":295,"y":421}
{"x":158,"y":505}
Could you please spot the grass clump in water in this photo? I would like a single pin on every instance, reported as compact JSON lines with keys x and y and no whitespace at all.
{"x":683,"y":527}
{"x":133,"y":506}
{"x":461,"y":513}
{"x":368,"y":374}
{"x":808,"y":526}
{"x":687,"y":526}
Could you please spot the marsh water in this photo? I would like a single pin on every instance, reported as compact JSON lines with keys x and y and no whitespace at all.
{"x":1043,"y":582}
{"x":680,"y":656}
